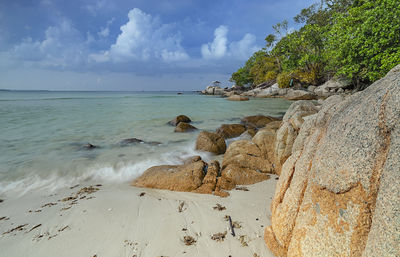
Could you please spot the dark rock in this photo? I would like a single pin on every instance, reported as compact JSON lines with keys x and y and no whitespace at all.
{"x":231,"y":130}
{"x":210,"y":142}
{"x":184,"y":127}
{"x":180,"y":118}
{"x":89,"y":146}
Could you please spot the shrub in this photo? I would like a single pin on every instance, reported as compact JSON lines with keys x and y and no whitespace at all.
{"x":284,"y":79}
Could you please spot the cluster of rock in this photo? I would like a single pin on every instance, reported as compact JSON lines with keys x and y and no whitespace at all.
{"x":329,"y":88}
{"x":181,"y":124}
{"x":244,"y":162}
{"x":339,"y":187}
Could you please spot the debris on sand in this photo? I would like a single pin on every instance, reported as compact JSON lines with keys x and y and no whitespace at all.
{"x":142,"y":194}
{"x":181,"y":206}
{"x":4,"y":218}
{"x":48,"y":205}
{"x":1,"y":200}
{"x":236,"y":224}
{"x":242,"y":240}
{"x":256,"y":255}
{"x":34,"y":227}
{"x":189,"y":240}
{"x":242,"y":188}
{"x":87,"y":190}
{"x":219,"y":207}
{"x":19,"y":228}
{"x":219,"y":237}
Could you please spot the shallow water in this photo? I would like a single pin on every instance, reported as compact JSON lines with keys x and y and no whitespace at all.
{"x":42,"y":134}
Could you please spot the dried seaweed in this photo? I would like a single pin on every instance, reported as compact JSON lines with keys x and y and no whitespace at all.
{"x":219,"y":207}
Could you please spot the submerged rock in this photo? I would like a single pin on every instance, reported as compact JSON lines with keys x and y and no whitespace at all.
{"x":339,"y":191}
{"x":179,"y":118}
{"x":89,"y":146}
{"x":133,"y":140}
{"x":237,"y":98}
{"x":184,"y":127}
{"x":210,"y":142}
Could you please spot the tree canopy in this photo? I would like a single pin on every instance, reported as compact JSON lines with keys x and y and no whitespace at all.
{"x":358,"y":40}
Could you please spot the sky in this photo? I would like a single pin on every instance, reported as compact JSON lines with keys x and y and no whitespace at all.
{"x":131,"y":45}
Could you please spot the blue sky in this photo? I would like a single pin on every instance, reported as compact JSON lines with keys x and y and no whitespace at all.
{"x":132,"y":45}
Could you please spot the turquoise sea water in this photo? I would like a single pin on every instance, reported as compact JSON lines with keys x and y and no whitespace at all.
{"x":42,"y":134}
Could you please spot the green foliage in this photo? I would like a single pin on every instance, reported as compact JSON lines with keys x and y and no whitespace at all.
{"x":358,"y":40}
{"x":364,"y":44}
{"x":284,"y":79}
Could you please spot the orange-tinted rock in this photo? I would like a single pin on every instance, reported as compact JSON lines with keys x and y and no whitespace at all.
{"x":184,"y":127}
{"x":339,"y":191}
{"x":210,"y":180}
{"x":187,"y":177}
{"x":257,"y":121}
{"x":246,"y":154}
{"x":231,"y":130}
{"x":179,"y":118}
{"x":237,"y":98}
{"x":210,"y":142}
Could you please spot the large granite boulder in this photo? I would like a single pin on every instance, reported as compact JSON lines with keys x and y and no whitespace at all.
{"x":179,"y":118}
{"x":187,"y":177}
{"x":233,"y":175}
{"x":268,"y":92}
{"x":287,"y":133}
{"x":231,"y":130}
{"x":339,"y":191}
{"x":257,"y":121}
{"x":184,"y":127}
{"x":300,"y":95}
{"x":246,"y":154}
{"x":265,"y":140}
{"x":210,"y":142}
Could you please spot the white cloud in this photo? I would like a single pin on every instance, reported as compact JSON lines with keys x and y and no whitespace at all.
{"x":144,"y":38}
{"x":93,"y":9}
{"x":62,"y":45}
{"x":105,"y":32}
{"x":219,"y":47}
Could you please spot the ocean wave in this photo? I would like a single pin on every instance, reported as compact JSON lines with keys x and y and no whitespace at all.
{"x":118,"y":172}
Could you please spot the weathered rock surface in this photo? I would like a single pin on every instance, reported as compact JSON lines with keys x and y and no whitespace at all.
{"x":210,"y":142}
{"x":257,"y":121}
{"x":265,"y":140}
{"x":233,"y":175}
{"x":246,"y":154}
{"x":231,"y":130}
{"x":184,"y":127}
{"x":187,"y":177}
{"x":237,"y":98}
{"x":210,"y":180}
{"x":339,"y":191}
{"x":179,"y":118}
{"x":287,"y":133}
{"x":300,"y":95}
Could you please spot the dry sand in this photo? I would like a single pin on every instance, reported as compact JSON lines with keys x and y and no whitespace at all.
{"x":116,"y":221}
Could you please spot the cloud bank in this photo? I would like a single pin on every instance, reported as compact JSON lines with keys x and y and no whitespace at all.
{"x":219,"y":47}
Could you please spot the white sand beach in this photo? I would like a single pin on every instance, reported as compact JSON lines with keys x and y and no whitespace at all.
{"x":117,"y":221}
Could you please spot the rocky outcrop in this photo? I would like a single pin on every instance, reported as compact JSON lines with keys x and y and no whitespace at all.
{"x":231,"y":130}
{"x":300,"y":95}
{"x":179,"y":118}
{"x":339,"y":191}
{"x":187,"y":177}
{"x":257,"y":121}
{"x":184,"y":127}
{"x":210,"y":180}
{"x":265,"y":140}
{"x":237,"y":98}
{"x":331,"y":87}
{"x":210,"y":142}
{"x":289,"y":129}
{"x":246,"y":154}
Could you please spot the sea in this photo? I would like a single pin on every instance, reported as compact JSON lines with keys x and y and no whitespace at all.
{"x":43,"y":134}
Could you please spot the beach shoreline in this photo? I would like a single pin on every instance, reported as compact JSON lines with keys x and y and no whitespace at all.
{"x":121,"y":220}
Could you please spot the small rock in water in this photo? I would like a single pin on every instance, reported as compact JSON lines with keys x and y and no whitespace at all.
{"x":89,"y":146}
